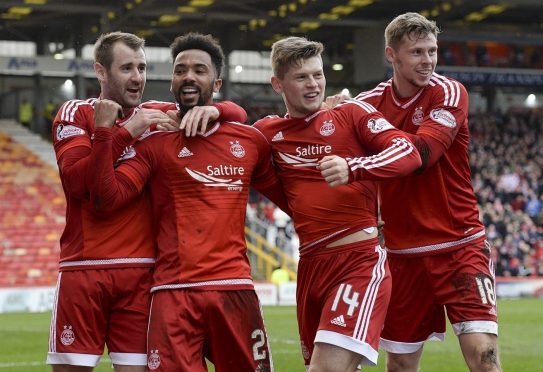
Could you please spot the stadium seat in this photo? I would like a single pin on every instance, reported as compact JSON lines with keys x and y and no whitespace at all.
{"x":32,"y":219}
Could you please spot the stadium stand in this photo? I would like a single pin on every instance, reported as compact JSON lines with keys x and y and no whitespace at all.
{"x":507,"y":163}
{"x":33,"y":207}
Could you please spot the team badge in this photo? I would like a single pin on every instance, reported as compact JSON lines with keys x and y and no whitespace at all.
{"x":379,"y":125}
{"x":153,"y":361}
{"x":65,"y":131}
{"x":418,"y":116}
{"x":327,"y":128}
{"x":443,"y":117}
{"x":236,"y":149}
{"x":67,"y":336}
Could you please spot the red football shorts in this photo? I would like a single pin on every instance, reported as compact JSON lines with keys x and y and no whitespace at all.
{"x":342,"y":298}
{"x":225,"y":327}
{"x":93,"y":308}
{"x":462,"y":282}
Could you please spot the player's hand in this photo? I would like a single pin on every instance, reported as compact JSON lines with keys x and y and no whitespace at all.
{"x":144,"y":118}
{"x":332,"y":101}
{"x":196,"y":119}
{"x":106,"y":113}
{"x":335,"y":170}
{"x":173,"y":126}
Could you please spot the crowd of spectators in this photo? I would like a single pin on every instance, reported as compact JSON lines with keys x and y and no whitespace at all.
{"x":506,"y":158}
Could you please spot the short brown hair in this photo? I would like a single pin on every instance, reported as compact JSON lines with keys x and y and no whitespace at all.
{"x":410,"y":24}
{"x":104,"y":46}
{"x":206,"y":43}
{"x":290,"y":51}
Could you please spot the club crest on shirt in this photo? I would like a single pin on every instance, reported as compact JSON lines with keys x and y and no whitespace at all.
{"x":443,"y":117}
{"x":65,"y":131}
{"x":236,"y":149}
{"x":67,"y":337}
{"x":153,"y":361}
{"x":418,"y":116}
{"x":379,"y":125}
{"x":327,"y":128}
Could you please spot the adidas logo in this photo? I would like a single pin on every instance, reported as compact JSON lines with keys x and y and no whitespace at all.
{"x":278,"y":136}
{"x":184,"y":153}
{"x":340,"y":321}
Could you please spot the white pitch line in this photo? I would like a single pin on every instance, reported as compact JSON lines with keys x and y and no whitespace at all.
{"x":36,"y":363}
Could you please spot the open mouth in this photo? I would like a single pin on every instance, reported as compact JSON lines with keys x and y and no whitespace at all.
{"x":311,"y":95}
{"x":189,"y":92}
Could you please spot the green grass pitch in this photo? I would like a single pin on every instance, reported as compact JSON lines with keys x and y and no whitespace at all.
{"x":23,"y":341}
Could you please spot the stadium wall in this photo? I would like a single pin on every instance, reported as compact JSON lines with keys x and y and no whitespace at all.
{"x":40,"y":299}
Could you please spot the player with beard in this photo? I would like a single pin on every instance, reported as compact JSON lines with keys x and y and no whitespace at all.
{"x":438,"y":254}
{"x":203,"y":298}
{"x":343,"y":279}
{"x":106,"y":259}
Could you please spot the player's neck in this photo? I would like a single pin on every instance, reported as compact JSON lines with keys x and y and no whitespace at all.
{"x":404,"y":89}
{"x":127,"y":111}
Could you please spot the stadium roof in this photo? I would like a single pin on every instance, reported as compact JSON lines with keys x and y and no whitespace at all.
{"x":253,"y":24}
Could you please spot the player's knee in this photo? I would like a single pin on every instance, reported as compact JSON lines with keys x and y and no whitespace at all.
{"x":485,"y":359}
{"x":402,"y":362}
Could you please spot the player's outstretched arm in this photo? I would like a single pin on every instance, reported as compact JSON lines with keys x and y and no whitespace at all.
{"x":397,"y":159}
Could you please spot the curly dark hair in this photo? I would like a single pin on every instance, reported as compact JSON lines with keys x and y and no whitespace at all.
{"x":207,"y":43}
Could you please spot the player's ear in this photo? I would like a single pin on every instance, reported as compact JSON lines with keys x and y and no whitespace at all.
{"x":276,"y":84}
{"x":389,"y":54}
{"x":217,"y":84}
{"x":100,"y":72}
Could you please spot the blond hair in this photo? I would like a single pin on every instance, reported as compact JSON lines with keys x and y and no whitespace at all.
{"x":291,"y":51}
{"x":411,"y":24}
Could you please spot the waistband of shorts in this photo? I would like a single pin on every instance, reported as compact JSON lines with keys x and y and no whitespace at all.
{"x":438,"y":248}
{"x":222,"y":284}
{"x":107,"y":263}
{"x":359,"y":245}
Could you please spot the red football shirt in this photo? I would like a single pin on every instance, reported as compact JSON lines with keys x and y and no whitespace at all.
{"x":199,"y":188}
{"x":434,"y":210}
{"x":92,"y":239}
{"x":96,"y":239}
{"x":321,"y":213}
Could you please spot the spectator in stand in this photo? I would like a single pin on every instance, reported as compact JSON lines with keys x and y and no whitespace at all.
{"x":26,"y":113}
